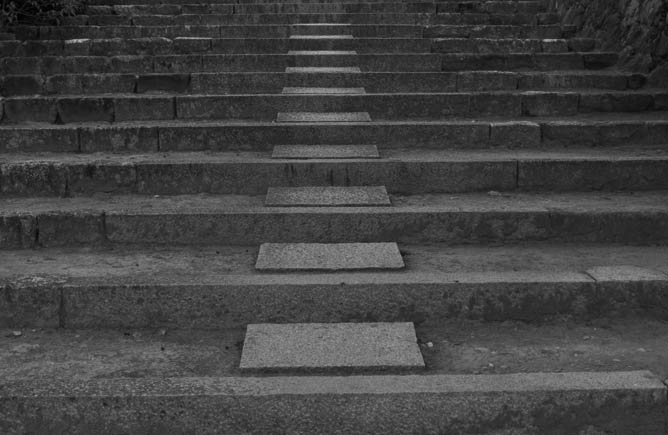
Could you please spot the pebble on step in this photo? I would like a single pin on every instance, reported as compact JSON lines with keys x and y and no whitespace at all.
{"x":331,"y":346}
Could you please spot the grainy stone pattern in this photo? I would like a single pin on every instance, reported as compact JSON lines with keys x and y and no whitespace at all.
{"x":637,"y":28}
{"x":329,"y":346}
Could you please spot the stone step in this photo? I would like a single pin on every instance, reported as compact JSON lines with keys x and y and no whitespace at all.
{"x":227,"y":63}
{"x":132,"y":286}
{"x":306,"y":152}
{"x":323,"y":107}
{"x":323,"y":347}
{"x":399,"y":62}
{"x":328,"y":257}
{"x":190,"y":45}
{"x":500,"y":31}
{"x":613,"y":401}
{"x":401,"y":172}
{"x":274,"y":82}
{"x":241,"y":220}
{"x":162,"y":46}
{"x":208,"y":25}
{"x":590,"y":130}
{"x":327,"y":196}
{"x":511,"y":45}
{"x":159,"y":25}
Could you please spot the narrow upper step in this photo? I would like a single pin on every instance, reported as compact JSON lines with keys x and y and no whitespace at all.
{"x":325,"y":152}
{"x":284,"y":257}
{"x":323,"y":117}
{"x":307,"y":347}
{"x":327,"y":196}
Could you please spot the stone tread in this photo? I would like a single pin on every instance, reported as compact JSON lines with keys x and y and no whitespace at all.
{"x":325,"y":152}
{"x":539,"y":203}
{"x":327,"y":196}
{"x":309,"y":347}
{"x":331,"y":257}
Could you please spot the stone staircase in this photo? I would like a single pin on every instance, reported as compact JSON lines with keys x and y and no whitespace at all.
{"x":321,"y":216}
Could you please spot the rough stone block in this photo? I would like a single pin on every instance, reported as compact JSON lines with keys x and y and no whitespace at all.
{"x":20,"y":85}
{"x":144,"y":108}
{"x":86,"y":109}
{"x":515,"y":134}
{"x":106,"y":83}
{"x":331,"y":346}
{"x":30,"y":109}
{"x":332,"y":196}
{"x":95,"y":139}
{"x":328,"y":256}
{"x":554,"y":46}
{"x":549,"y":104}
{"x":486,"y":81}
{"x":163,"y":83}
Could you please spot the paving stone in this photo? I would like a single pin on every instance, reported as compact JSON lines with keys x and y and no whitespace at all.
{"x":325,"y":152}
{"x":328,"y":256}
{"x":333,"y":196}
{"x":323,"y":117}
{"x":331,"y":346}
{"x":323,"y":69}
{"x":321,"y":36}
{"x":322,"y":52}
{"x":323,"y":91}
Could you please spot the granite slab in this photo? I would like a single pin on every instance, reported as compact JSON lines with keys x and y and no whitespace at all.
{"x":330,"y":346}
{"x":325,"y":152}
{"x":313,"y":91}
{"x":327,"y":196}
{"x":323,"y":117}
{"x":322,"y":69}
{"x":293,"y":257}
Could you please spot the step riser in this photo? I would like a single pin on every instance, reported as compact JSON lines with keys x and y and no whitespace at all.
{"x":484,"y":298}
{"x":379,"y":107}
{"x":262,"y":137}
{"x":117,"y":47}
{"x":551,"y":403}
{"x":216,"y":63}
{"x":489,"y":31}
{"x":231,"y":46}
{"x":265,"y":225}
{"x":44,"y":179}
{"x":273,"y":83}
{"x":278,"y":63}
{"x":506,"y":8}
{"x":209,"y":24}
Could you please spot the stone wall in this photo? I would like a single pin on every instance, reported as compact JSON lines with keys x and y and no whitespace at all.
{"x":636,"y":28}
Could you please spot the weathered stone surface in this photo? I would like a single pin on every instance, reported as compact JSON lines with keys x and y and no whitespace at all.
{"x":325,"y":152}
{"x":315,"y":91}
{"x":330,"y":346}
{"x":328,"y":256}
{"x":552,"y":403}
{"x":323,"y":117}
{"x":322,"y":52}
{"x":332,"y":196}
{"x":322,"y":69}
{"x":636,"y":28}
{"x":626,"y":273}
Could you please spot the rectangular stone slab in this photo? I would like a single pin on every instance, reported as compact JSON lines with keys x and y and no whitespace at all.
{"x":327,"y":196}
{"x":323,"y":69}
{"x":321,"y":36}
{"x":321,"y":52}
{"x":310,"y":91}
{"x":330,"y":346}
{"x":323,"y":117}
{"x":291,"y":257}
{"x":325,"y":152}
